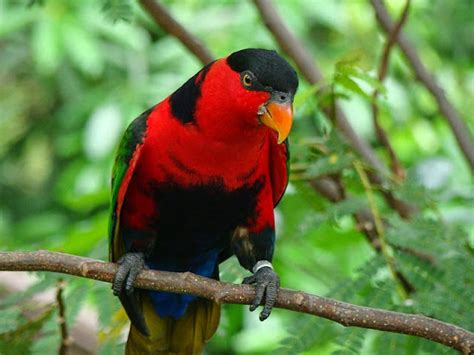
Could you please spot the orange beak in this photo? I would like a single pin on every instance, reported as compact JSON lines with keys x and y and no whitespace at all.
{"x":278,"y":116}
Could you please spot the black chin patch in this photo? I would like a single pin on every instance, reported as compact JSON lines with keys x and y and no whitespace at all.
{"x":267,"y":65}
{"x":183,"y":101}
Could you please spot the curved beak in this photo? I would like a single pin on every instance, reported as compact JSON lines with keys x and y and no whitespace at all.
{"x":277,"y":114}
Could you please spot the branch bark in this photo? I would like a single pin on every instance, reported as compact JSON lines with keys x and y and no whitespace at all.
{"x":346,"y":314}
{"x":65,"y":339}
{"x":395,"y":164}
{"x":164,"y":19}
{"x":459,"y":128}
{"x":82,"y":334}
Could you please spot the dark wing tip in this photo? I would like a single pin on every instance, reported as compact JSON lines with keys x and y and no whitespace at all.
{"x":132,"y":306}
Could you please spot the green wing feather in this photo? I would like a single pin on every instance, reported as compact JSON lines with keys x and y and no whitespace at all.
{"x":127,"y":155}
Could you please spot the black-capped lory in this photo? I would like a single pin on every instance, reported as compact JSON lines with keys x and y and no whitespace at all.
{"x":195,"y":181}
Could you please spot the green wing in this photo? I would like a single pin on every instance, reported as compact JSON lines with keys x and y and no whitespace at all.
{"x":127,"y":156}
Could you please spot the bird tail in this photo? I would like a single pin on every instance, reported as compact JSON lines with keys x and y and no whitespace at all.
{"x":186,"y":335}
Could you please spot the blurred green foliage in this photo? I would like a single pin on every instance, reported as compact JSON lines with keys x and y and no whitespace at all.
{"x":73,"y":74}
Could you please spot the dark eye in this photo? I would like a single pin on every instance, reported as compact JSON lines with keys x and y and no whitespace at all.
{"x":247,"y":80}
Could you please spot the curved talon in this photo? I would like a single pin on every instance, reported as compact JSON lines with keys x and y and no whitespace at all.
{"x":267,"y":287}
{"x":130,"y":266}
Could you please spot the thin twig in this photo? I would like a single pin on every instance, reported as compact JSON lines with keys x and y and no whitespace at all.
{"x":427,"y":258}
{"x":43,"y":305}
{"x":460,"y":130}
{"x":187,"y":283}
{"x":380,"y":230}
{"x":395,"y":164}
{"x":65,"y":339}
{"x":164,"y":19}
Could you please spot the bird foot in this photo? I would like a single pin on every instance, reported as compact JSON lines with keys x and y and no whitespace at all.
{"x":267,"y":286}
{"x":130,"y":266}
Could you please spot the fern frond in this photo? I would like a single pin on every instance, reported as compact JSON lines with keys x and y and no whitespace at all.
{"x":117,"y":10}
{"x":309,"y":332}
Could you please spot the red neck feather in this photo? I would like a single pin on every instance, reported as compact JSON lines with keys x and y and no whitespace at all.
{"x":226,"y":112}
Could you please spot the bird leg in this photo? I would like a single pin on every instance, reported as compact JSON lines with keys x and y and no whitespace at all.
{"x":130,"y":266}
{"x":267,"y":285}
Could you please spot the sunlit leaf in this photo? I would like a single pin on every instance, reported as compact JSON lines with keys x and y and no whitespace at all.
{"x":351,"y":85}
{"x":47,"y":47}
{"x":82,"y":48}
{"x":9,"y":318}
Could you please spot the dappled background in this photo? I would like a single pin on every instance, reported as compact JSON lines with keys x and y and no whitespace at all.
{"x":73,"y":74}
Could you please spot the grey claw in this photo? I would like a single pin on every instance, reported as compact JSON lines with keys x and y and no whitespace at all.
{"x":266,"y":291}
{"x":130,"y":266}
{"x":271,"y":295}
{"x":120,"y":277}
{"x":259,"y":293}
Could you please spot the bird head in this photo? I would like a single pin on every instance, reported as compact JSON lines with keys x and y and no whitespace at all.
{"x":264,"y":75}
{"x":250,"y":90}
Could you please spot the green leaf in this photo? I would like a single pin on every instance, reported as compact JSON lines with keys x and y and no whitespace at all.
{"x":47,"y":46}
{"x":9,"y":317}
{"x":82,"y":48}
{"x":116,"y":10}
{"x":349,"y":69}
{"x":41,"y":225}
{"x":84,"y":235}
{"x":305,"y":95}
{"x":351,"y":85}
{"x":329,"y":165}
{"x":347,"y":207}
{"x":16,"y":21}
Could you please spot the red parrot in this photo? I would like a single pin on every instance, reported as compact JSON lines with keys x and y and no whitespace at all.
{"x":195,"y":181}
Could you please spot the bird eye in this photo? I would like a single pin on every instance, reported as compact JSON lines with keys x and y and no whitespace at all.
{"x":247,"y":80}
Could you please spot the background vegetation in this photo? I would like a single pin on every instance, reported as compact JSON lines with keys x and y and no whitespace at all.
{"x":73,"y":74}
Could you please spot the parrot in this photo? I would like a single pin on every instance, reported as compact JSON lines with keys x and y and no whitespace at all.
{"x":195,"y":181}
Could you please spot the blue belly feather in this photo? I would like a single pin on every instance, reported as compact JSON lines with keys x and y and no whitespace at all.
{"x":172,"y":304}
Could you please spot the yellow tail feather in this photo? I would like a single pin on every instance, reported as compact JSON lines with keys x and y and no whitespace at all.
{"x":186,"y":335}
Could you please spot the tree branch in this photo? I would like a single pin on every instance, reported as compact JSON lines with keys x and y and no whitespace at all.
{"x":65,"y":339}
{"x":82,"y":334}
{"x":459,"y":128}
{"x":395,"y":164}
{"x":187,"y":283}
{"x":164,"y":19}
